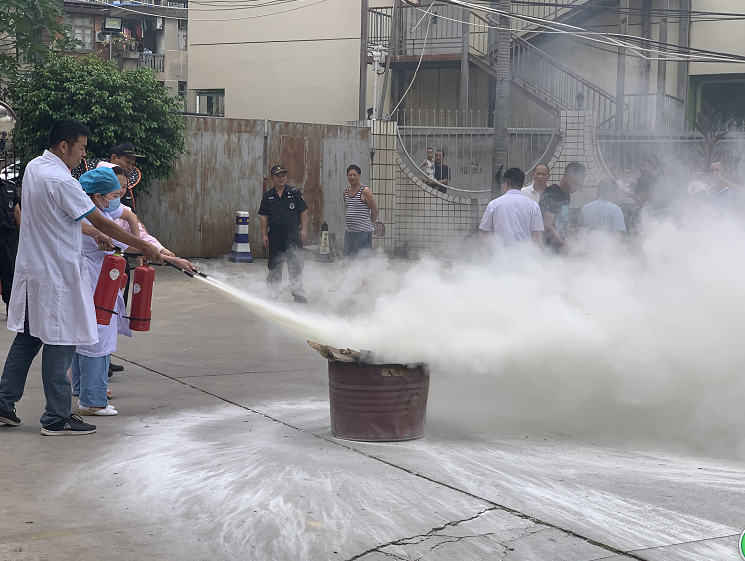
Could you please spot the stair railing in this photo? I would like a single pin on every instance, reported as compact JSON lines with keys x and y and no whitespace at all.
{"x":542,"y":75}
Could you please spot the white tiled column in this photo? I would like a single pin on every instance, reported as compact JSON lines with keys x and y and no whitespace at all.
{"x":383,"y":180}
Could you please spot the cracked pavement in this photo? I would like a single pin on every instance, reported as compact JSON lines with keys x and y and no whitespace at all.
{"x":222,"y":450}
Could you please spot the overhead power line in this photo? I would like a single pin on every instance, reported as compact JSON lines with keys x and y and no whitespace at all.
{"x":655,"y":12}
{"x":639,"y":47}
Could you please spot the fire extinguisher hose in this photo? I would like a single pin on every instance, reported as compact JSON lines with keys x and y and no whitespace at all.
{"x":105,"y":310}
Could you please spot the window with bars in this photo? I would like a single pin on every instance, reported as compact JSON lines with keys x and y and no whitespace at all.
{"x":182,"y":27}
{"x":82,"y":29}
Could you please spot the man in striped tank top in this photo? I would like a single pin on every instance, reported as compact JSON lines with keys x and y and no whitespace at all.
{"x":360,"y":211}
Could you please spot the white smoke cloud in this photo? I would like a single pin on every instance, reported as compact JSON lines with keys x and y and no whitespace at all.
{"x":641,"y":339}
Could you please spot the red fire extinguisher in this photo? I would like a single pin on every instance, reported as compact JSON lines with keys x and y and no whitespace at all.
{"x":109,"y":282}
{"x":142,"y":297}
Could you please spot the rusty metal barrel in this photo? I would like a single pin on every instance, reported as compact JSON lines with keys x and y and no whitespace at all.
{"x":378,"y":402}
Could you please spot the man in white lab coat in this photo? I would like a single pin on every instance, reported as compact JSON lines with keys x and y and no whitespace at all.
{"x":52,"y":302}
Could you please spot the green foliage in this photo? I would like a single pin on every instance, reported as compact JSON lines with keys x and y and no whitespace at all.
{"x":119,"y":43}
{"x":713,"y":126}
{"x":29,"y":30}
{"x":129,"y":106}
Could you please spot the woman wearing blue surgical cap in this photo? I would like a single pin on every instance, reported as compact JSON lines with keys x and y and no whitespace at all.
{"x":90,"y":364}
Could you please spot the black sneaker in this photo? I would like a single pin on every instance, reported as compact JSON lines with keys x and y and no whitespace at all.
{"x":115,"y":367}
{"x":73,"y":425}
{"x":9,"y":417}
{"x":301,"y":299}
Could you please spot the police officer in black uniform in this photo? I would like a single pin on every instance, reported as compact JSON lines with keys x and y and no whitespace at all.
{"x":284,"y":222}
{"x":10,"y":222}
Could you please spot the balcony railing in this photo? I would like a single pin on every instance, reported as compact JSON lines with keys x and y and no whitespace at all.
{"x":640,"y":112}
{"x":152,"y":61}
{"x":438,"y":30}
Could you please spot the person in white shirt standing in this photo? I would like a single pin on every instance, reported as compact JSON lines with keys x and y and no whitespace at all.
{"x":52,"y":302}
{"x":512,"y":218}
{"x":540,"y":182}
{"x":602,"y":214}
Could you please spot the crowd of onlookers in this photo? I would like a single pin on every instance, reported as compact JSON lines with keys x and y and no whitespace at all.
{"x":543,"y":212}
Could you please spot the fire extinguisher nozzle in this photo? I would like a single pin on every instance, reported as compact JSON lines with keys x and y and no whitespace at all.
{"x":189,"y":273}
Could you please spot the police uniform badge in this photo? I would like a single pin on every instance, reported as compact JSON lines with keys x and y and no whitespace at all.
{"x":292,"y":206}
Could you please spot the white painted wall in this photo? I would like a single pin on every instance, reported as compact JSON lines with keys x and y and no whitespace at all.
{"x":300,"y":65}
{"x":719,"y":36}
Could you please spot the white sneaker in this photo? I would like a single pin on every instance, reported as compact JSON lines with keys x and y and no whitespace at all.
{"x":107,"y":411}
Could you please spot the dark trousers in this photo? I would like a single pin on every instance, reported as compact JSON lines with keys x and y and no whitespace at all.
{"x":285,"y":249}
{"x":8,"y":250}
{"x":55,"y":360}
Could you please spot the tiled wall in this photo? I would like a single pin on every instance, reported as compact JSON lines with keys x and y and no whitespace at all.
{"x":428,"y":221}
{"x":420,"y":220}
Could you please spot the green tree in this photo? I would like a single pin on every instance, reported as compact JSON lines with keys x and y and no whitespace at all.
{"x":29,"y":31}
{"x":128,"y":106}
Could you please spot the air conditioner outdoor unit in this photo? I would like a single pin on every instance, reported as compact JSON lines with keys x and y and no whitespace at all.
{"x":101,"y":37}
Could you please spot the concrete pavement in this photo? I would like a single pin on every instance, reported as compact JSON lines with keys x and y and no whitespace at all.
{"x":222,"y":450}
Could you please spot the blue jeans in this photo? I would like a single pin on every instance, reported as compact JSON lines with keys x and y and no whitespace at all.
{"x":55,"y":360}
{"x":90,"y":379}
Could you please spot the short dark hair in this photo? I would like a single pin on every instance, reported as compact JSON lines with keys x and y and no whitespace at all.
{"x":355,"y":168}
{"x":430,"y":148}
{"x":720,"y":161}
{"x":514,"y":177}
{"x":606,"y":186}
{"x":67,"y":130}
{"x":441,"y":151}
{"x":644,"y":183}
{"x":575,"y":168}
{"x":119,"y":171}
{"x":548,"y":169}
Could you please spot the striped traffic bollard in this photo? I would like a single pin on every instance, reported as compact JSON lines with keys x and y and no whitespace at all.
{"x":241,"y":252}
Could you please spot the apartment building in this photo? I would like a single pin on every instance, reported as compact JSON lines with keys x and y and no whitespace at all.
{"x":304,"y":63}
{"x":298,"y":62}
{"x":141,"y":34}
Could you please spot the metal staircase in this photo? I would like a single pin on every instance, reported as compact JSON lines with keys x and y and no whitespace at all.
{"x":560,"y":11}
{"x":542,"y":78}
{"x":534,"y":73}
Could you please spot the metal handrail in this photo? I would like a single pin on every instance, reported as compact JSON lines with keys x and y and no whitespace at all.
{"x":520,"y":41}
{"x":413,"y":163}
{"x":549,"y":150}
{"x":532,"y":69}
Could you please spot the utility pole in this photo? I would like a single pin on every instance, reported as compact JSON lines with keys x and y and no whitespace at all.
{"x":363,"y":61}
{"x":647,"y":36}
{"x":465,"y":47}
{"x":662,"y":65}
{"x":621,"y":78}
{"x":392,"y":48}
{"x":684,"y":40}
{"x":500,"y":146}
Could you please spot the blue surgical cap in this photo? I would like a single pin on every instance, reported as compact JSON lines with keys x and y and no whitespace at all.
{"x":100,"y":180}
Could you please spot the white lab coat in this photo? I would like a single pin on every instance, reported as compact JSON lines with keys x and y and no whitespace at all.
{"x":106,"y":333}
{"x":50,"y":271}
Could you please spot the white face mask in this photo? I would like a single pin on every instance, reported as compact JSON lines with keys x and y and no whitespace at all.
{"x":113,"y":205}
